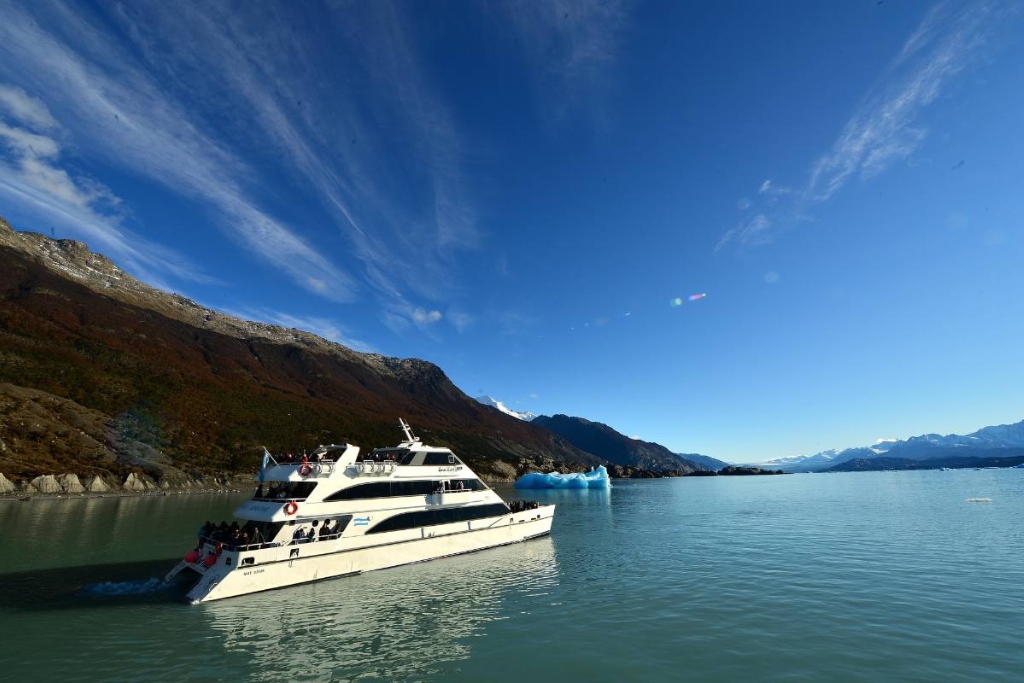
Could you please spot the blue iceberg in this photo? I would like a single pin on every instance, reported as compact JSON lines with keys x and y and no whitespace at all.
{"x":594,"y":479}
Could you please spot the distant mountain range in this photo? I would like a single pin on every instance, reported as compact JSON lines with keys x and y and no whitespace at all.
{"x":605,"y":442}
{"x":488,"y":401}
{"x":927,"y":449}
{"x":610,"y":444}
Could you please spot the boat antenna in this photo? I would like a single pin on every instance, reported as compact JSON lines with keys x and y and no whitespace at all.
{"x":409,"y":436}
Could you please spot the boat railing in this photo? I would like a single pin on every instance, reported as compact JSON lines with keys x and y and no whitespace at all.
{"x":369,"y":467}
{"x":438,"y":492}
{"x":316,"y":538}
{"x":228,"y":545}
{"x":322,"y":468}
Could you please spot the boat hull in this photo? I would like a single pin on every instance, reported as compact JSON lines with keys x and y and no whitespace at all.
{"x":240,"y":573}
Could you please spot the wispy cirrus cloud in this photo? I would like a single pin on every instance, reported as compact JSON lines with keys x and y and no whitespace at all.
{"x":888,"y":126}
{"x":30,"y":110}
{"x":460,"y":319}
{"x":411,"y":205}
{"x":118,"y":111}
{"x":204,"y":99}
{"x":749,"y":232}
{"x":571,"y":45}
{"x":32,"y":176}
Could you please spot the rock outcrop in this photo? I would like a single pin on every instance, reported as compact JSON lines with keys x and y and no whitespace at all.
{"x":70,"y":483}
{"x":6,"y":485}
{"x":47,"y":483}
{"x":503,"y":470}
{"x":133,"y":482}
{"x":97,"y":485}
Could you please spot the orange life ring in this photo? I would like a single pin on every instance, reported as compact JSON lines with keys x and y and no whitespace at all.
{"x":305,"y":469}
{"x":291,"y":507}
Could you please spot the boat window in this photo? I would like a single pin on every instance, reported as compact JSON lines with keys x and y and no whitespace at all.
{"x":342,"y":522}
{"x":383,"y":489}
{"x":285,"y":490}
{"x":263,"y":532}
{"x":412,"y":488}
{"x":439,"y":459}
{"x":377,"y":489}
{"x":420,"y":518}
{"x":392,"y":489}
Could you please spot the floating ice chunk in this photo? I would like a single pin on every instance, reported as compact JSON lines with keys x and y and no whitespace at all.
{"x":979,"y":500}
{"x":594,"y":479}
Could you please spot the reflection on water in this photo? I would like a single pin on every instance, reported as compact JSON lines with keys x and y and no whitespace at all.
{"x":86,"y":531}
{"x":399,"y":624}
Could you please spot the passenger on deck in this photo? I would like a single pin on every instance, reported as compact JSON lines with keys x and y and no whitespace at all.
{"x":298,"y":536}
{"x":311,"y":536}
{"x":325,"y":531}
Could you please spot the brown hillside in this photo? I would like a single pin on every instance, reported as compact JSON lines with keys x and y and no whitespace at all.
{"x":99,"y":373}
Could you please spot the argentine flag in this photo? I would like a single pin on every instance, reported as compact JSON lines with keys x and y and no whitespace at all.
{"x":267,"y":459}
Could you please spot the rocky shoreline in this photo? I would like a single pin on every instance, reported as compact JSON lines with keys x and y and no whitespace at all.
{"x":68,"y":486}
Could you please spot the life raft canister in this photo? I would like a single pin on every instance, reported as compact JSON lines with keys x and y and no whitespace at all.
{"x":210,"y":560}
{"x":192,"y":556}
{"x":291,"y":507}
{"x":305,"y":469}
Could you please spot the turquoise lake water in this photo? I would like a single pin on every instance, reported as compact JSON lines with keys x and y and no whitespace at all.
{"x":882,"y":576}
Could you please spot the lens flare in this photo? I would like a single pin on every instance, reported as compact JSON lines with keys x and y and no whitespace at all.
{"x":695,"y":297}
{"x":676,"y":302}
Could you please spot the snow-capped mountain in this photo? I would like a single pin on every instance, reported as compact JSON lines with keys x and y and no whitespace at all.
{"x":830,"y":457}
{"x":488,"y":401}
{"x":981,"y":443}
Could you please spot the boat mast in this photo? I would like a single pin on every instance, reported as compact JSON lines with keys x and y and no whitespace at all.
{"x":409,"y":436}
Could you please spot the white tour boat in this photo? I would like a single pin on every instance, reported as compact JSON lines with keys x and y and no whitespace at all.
{"x":338,"y":514}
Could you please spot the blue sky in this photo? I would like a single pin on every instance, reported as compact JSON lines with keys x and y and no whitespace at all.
{"x":520,"y":192}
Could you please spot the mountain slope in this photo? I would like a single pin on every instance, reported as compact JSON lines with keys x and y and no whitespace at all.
{"x":606,"y":443}
{"x":170,"y":386}
{"x":705,"y":460}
